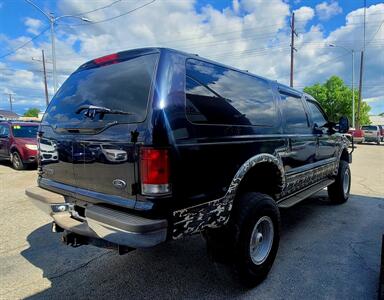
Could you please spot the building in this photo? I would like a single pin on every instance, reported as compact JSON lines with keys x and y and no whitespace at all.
{"x":8,"y":115}
{"x":377,"y":120}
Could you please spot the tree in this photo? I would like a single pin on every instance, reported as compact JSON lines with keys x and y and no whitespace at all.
{"x":336,"y":97}
{"x":32,"y":112}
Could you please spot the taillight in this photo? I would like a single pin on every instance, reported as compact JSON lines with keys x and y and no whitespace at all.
{"x":154,"y":171}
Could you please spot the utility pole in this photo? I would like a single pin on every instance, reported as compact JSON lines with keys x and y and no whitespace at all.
{"x":43,"y":60}
{"x":45,"y":79}
{"x":10,"y":100}
{"x":293,"y":33}
{"x":361,"y":72}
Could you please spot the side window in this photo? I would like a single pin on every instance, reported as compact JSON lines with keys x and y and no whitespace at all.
{"x":294,"y":115}
{"x":318,"y":117}
{"x":4,"y":130}
{"x":217,"y":95}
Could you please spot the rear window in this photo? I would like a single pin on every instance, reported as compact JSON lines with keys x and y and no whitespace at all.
{"x":22,"y":131}
{"x":123,"y":86}
{"x":374,"y":128}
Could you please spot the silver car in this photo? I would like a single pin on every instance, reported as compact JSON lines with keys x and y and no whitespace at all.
{"x":371,"y":133}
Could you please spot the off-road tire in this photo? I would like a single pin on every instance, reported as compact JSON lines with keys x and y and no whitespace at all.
{"x":338,"y":191}
{"x":17,"y":162}
{"x":248,"y":211}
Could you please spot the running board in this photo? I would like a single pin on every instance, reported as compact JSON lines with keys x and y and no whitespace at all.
{"x":299,"y":196}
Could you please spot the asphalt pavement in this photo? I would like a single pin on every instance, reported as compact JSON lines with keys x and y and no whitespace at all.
{"x":326,"y":251}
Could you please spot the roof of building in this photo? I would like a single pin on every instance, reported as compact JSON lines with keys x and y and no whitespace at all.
{"x":377,"y":120}
{"x":6,"y":114}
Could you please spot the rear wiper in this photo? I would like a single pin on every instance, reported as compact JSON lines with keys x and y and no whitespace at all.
{"x":91,"y":111}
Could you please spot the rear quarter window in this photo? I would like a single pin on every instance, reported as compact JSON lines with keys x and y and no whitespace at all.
{"x":219,"y":95}
{"x":121,"y":86}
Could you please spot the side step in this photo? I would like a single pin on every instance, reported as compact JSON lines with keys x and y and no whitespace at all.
{"x":301,"y":195}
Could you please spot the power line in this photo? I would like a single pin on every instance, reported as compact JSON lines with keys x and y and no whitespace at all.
{"x":97,"y":9}
{"x":115,"y":17}
{"x":24,"y":44}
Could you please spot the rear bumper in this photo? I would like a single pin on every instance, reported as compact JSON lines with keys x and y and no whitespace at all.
{"x":111,"y":225}
{"x":371,"y":138}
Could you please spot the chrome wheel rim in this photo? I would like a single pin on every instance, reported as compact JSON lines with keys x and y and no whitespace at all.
{"x":261,"y":240}
{"x":16,"y":161}
{"x":347,"y":178}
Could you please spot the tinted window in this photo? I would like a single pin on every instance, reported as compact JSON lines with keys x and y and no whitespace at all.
{"x":121,"y":86}
{"x":4,"y":130}
{"x":21,"y":131}
{"x":369,"y":127}
{"x":293,"y":111}
{"x":217,"y":95}
{"x":317,"y":115}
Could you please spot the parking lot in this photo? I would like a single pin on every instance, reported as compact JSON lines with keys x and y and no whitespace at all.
{"x":326,"y":251}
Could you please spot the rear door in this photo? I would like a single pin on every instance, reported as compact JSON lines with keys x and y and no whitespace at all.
{"x":98,"y":107}
{"x":301,"y":150}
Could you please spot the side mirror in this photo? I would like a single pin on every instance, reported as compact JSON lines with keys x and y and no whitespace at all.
{"x":343,"y":125}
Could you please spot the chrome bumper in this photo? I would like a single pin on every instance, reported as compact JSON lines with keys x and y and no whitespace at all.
{"x":114,"y":226}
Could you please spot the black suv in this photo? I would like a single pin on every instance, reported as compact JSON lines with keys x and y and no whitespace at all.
{"x":155,"y":144}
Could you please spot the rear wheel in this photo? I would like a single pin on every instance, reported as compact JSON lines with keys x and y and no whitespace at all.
{"x":338,"y":191}
{"x":16,"y":161}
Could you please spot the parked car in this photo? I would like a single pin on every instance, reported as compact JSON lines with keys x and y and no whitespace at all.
{"x":381,"y":127}
{"x":18,"y":143}
{"x":357,"y":134}
{"x":210,"y":149}
{"x":371,"y":133}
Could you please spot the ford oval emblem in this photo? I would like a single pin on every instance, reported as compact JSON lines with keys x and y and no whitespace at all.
{"x":119,"y":184}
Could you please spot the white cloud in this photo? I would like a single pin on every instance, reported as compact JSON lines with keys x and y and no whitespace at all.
{"x":325,"y":10}
{"x":33,"y":25}
{"x":249,"y":34}
{"x":303,"y":15}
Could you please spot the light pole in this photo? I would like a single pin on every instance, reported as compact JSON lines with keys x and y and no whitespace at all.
{"x":353,"y":79}
{"x":52,"y":20}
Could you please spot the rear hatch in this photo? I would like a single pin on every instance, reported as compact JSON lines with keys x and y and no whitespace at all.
{"x":86,"y":141}
{"x":370,"y":131}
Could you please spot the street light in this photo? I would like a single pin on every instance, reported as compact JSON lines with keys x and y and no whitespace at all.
{"x":52,"y":20}
{"x":353,"y":79}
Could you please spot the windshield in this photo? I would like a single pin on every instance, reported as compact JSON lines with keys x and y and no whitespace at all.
{"x":24,"y":131}
{"x":123,"y":86}
{"x":369,"y":127}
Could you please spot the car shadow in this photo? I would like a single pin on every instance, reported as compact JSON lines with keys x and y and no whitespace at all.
{"x":178,"y":269}
{"x":7,"y":163}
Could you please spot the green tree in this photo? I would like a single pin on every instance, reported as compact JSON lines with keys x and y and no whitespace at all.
{"x":336,"y":97}
{"x":32,"y":112}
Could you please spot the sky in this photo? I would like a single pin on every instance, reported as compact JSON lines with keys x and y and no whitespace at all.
{"x":252,"y":35}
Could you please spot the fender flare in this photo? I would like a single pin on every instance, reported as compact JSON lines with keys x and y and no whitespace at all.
{"x":216,"y":213}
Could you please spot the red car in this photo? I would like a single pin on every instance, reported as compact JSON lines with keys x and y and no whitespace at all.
{"x":18,"y":143}
{"x":358,"y":135}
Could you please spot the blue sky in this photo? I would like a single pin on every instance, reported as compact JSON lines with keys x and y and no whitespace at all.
{"x":248,"y":34}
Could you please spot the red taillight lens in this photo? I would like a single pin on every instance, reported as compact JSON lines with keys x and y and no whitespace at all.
{"x":108,"y":59}
{"x":154,"y":171}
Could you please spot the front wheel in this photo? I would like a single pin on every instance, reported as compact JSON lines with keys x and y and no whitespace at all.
{"x":338,"y":191}
{"x":17,"y":162}
{"x":256,"y":220}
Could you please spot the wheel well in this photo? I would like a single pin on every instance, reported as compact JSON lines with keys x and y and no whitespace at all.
{"x":13,"y":149}
{"x":264,"y":177}
{"x":344,"y":155}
